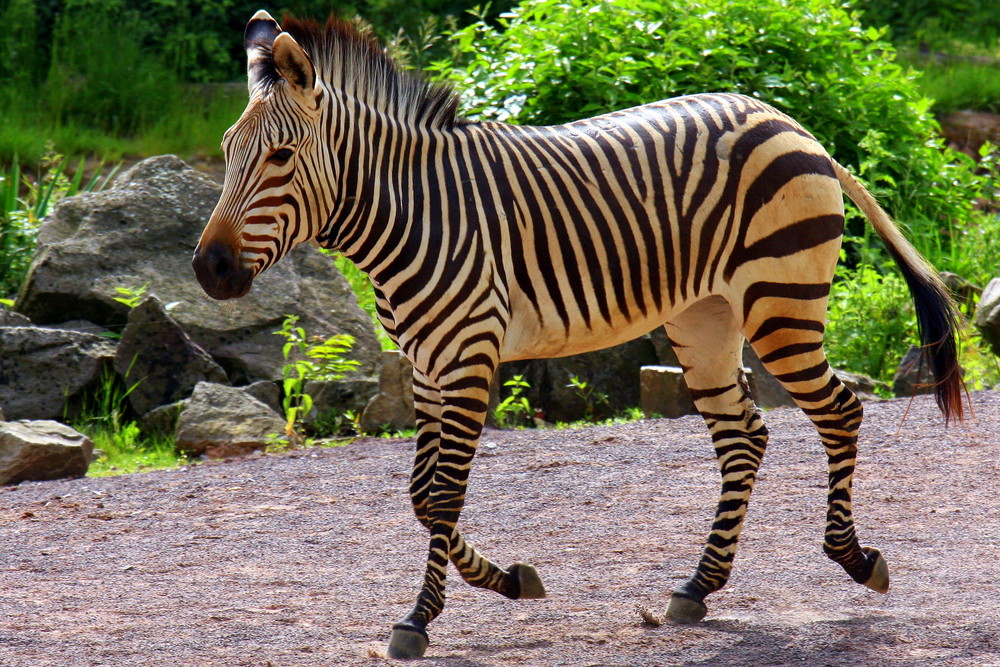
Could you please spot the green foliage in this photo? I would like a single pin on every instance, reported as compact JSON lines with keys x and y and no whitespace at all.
{"x":956,"y":85}
{"x":591,"y":397}
{"x":308,"y":359}
{"x":128,"y":450}
{"x":123,"y":448}
{"x":131,"y":296}
{"x":514,"y":410}
{"x":858,"y":298}
{"x":923,"y":21}
{"x":23,"y":204}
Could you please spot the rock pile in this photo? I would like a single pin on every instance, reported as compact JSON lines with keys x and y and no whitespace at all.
{"x":71,"y":331}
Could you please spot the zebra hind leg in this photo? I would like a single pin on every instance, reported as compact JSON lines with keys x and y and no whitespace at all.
{"x":794,"y":356}
{"x":709,"y":346}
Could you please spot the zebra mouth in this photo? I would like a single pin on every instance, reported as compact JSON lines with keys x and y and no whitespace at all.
{"x":218,"y":269}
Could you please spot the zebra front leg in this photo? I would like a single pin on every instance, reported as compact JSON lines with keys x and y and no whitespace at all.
{"x":446,"y":465}
{"x":708,"y":344}
{"x":520,"y":581}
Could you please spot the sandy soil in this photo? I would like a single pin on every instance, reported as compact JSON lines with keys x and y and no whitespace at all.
{"x":307,"y":558}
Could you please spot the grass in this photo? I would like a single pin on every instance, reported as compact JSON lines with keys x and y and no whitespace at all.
{"x":955,"y":85}
{"x":125,"y":450}
{"x":192,"y":127}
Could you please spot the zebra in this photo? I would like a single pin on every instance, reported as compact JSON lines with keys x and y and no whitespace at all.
{"x":713,"y":215}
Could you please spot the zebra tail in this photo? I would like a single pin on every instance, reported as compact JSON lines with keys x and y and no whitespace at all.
{"x":937,"y":316}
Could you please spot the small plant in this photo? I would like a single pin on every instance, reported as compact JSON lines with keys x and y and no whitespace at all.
{"x":591,"y":398}
{"x":308,"y":359}
{"x":515,"y":410}
{"x":131,"y":296}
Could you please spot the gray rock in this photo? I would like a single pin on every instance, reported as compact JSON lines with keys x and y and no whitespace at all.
{"x":266,"y":392}
{"x":42,"y":450}
{"x":143,"y":231}
{"x":862,"y":385}
{"x":8,"y":318}
{"x":43,"y":371}
{"x":664,"y":393}
{"x":392,"y":406}
{"x":766,"y":391}
{"x":220,"y":421}
{"x":162,"y":420}
{"x":83,"y":326}
{"x":964,"y":292}
{"x":158,"y":361}
{"x":913,"y":376}
{"x":987,"y":318}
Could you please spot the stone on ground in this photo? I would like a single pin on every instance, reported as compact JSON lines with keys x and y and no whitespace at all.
{"x":42,"y":450}
{"x":220,"y":421}
{"x":392,"y":406}
{"x":46,"y":373}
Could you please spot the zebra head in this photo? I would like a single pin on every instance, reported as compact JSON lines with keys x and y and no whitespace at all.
{"x":268,"y":203}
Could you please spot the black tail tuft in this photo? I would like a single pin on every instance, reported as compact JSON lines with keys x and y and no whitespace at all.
{"x":937,"y":323}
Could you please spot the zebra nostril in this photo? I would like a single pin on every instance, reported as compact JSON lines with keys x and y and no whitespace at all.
{"x":221,"y":266}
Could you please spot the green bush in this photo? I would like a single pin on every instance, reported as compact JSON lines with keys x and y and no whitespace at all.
{"x":552,"y":61}
{"x":920,"y":20}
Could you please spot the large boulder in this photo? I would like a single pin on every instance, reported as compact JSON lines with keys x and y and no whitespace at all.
{"x":987,"y":318}
{"x":158,"y":361}
{"x":143,"y":231}
{"x":332,"y":400}
{"x":46,"y":373}
{"x":220,"y":421}
{"x":42,"y":450}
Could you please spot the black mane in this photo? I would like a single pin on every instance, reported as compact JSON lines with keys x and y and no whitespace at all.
{"x":349,"y":60}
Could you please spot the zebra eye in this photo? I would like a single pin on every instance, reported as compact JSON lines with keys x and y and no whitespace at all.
{"x":280,"y":156}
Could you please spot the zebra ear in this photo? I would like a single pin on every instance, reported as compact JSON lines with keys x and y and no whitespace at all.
{"x":293,"y":63}
{"x":257,"y":40}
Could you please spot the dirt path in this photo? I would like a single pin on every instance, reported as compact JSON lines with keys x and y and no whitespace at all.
{"x":306,"y":559}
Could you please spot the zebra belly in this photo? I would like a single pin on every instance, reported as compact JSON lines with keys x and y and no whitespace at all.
{"x":529,"y":338}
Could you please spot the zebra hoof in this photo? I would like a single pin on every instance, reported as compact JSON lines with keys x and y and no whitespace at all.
{"x":879,"y":578}
{"x":407,"y":642}
{"x":529,"y":583}
{"x":684,"y":610}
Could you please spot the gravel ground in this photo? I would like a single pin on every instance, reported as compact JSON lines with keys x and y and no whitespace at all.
{"x":307,"y":558}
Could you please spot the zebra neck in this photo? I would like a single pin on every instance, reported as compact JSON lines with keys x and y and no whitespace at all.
{"x":413,"y":201}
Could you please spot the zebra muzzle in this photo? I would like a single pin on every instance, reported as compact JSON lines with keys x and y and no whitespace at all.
{"x":218,"y":268}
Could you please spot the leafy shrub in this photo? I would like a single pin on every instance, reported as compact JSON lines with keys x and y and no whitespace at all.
{"x":308,"y":358}
{"x":515,"y":409}
{"x":857,"y":299}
